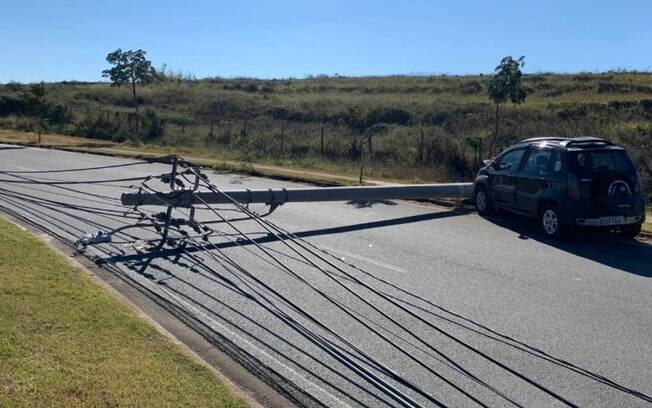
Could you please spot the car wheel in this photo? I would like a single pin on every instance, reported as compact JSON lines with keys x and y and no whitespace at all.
{"x":551,"y":221}
{"x":630,"y":231}
{"x":483,"y":203}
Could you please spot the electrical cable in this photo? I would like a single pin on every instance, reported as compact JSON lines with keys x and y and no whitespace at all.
{"x":521,"y":345}
{"x":443,"y":332}
{"x":286,"y":237}
{"x":466,"y":372}
{"x":337,"y":353}
{"x":113,"y":166}
{"x":53,"y":183}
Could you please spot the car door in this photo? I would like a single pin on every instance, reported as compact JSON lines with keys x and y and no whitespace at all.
{"x":541,"y":167}
{"x":503,"y":180}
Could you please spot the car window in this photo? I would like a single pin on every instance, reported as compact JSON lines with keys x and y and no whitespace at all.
{"x":542,"y":162}
{"x":603,"y":161}
{"x":511,"y":159}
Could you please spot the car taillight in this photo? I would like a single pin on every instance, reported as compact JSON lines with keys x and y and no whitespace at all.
{"x":573,"y":186}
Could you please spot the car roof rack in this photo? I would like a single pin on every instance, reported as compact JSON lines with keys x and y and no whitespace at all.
{"x":544,"y":139}
{"x":584,"y":141}
{"x":587,"y":141}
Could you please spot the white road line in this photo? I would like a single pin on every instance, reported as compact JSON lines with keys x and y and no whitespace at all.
{"x":300,"y":380}
{"x":364,"y":259}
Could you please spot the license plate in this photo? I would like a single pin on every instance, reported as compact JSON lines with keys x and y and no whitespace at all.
{"x":615,"y":220}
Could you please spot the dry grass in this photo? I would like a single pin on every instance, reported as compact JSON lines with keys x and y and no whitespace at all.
{"x":65,"y":342}
{"x":434,"y":127}
{"x":49,"y":139}
{"x":647,"y":226}
{"x":317,"y":172}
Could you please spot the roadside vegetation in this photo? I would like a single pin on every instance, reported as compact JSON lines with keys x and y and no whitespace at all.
{"x":647,"y":226}
{"x":417,"y":128}
{"x":66,"y":342}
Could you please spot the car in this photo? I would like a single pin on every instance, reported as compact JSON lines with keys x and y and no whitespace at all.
{"x":564,"y":183}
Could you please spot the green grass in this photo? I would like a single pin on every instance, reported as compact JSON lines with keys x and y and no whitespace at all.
{"x":66,"y":342}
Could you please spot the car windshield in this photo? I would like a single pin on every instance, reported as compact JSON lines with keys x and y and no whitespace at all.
{"x":603,"y":161}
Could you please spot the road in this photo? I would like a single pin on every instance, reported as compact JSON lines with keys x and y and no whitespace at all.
{"x":411,"y":303}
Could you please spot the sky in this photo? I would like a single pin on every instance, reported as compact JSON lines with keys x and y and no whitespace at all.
{"x":59,"y":40}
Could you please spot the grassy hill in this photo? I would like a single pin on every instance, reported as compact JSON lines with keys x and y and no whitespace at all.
{"x":420,"y":127}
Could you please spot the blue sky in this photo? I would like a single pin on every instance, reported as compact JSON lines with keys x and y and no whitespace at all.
{"x":64,"y":40}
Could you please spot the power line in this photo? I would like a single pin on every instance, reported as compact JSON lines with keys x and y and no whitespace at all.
{"x":112,"y":166}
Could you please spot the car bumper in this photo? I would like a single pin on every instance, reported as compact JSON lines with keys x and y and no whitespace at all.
{"x":610,"y":221}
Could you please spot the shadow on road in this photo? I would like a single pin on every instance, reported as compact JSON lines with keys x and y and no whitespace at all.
{"x":626,"y":255}
{"x":168,"y":252}
{"x":369,"y":203}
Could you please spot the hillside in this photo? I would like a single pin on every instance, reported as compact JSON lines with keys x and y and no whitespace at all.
{"x":420,"y":127}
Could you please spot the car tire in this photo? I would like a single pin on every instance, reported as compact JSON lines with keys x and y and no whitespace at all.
{"x":483,"y":203}
{"x":630,"y":231}
{"x":551,"y":222}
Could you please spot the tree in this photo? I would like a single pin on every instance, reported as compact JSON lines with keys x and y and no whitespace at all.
{"x":131,"y":68}
{"x":505,"y":86}
{"x":36,"y":105}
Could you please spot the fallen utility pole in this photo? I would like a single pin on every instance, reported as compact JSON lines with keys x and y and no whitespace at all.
{"x":182,"y":195}
{"x":275,"y":197}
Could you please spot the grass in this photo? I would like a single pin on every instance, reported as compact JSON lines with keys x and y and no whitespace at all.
{"x":435,"y":127}
{"x":647,"y":226}
{"x":424,"y":128}
{"x":327,"y":173}
{"x":64,"y":341}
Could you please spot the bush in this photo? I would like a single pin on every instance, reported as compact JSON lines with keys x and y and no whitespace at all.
{"x":470,"y":88}
{"x":11,"y":106}
{"x":646,"y":105}
{"x":152,"y":125}
{"x":391,"y":115}
{"x":59,"y":115}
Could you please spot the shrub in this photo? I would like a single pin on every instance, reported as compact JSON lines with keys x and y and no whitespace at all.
{"x":152,"y":125}
{"x":11,"y":106}
{"x":470,"y":88}
{"x":59,"y":115}
{"x":390,"y":115}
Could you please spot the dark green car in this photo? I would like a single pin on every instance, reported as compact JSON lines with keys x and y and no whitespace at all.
{"x":564,"y":183}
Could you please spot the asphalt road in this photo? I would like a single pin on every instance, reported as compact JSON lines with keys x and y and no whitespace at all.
{"x":490,"y":312}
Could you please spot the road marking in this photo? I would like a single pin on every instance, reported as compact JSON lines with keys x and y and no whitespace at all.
{"x":297,"y":378}
{"x":364,"y":259}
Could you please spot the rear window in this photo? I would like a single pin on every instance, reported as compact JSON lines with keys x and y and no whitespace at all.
{"x":602,"y":161}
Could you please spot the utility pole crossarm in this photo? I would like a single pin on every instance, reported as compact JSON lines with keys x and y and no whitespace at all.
{"x":187,"y":198}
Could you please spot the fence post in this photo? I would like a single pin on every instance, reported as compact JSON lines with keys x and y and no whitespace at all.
{"x":421,"y":147}
{"x":321,"y":140}
{"x":282,"y":137}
